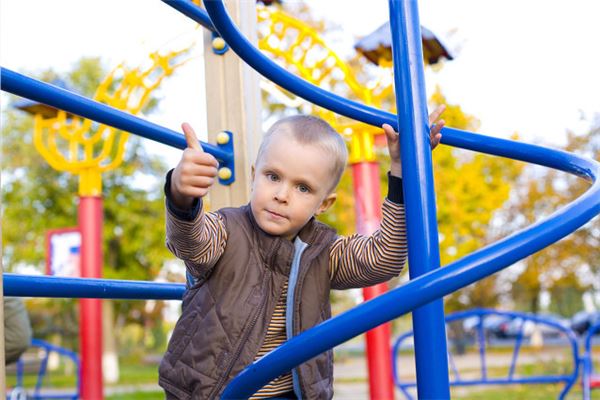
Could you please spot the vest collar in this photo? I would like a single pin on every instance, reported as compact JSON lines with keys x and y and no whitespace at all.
{"x":277,"y":251}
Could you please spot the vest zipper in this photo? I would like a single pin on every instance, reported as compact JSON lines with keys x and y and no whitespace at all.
{"x":299,"y":247}
{"x":242,"y":342}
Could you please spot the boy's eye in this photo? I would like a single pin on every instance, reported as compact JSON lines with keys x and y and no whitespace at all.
{"x":272,"y":177}
{"x":303,"y":188}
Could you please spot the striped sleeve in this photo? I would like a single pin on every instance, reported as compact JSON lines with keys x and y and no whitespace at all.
{"x":361,"y":261}
{"x":199,"y":242}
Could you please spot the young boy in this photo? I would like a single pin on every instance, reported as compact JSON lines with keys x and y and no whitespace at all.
{"x":263,"y":271}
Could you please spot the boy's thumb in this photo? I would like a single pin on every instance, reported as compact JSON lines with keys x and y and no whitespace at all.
{"x":190,"y":137}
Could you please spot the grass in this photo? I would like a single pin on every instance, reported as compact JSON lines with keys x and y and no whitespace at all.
{"x":138,"y":373}
{"x":137,"y":396}
{"x":518,"y":392}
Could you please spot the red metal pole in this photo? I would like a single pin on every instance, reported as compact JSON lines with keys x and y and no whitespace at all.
{"x":90,"y":311}
{"x":367,"y":189}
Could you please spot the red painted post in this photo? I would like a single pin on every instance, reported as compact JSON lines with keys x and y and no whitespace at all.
{"x":90,"y":310}
{"x":367,"y":189}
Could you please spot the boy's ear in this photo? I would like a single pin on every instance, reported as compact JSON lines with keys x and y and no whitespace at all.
{"x":327,"y":203}
{"x":252,"y":170}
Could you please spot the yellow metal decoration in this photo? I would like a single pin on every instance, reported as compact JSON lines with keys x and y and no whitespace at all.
{"x":86,"y":148}
{"x":296,"y":45}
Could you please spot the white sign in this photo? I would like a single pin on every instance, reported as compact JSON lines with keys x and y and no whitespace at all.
{"x":63,"y":258}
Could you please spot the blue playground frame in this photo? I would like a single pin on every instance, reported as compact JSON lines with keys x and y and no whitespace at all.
{"x":510,"y":378}
{"x":590,"y":380}
{"x":37,"y":391}
{"x":423,"y":294}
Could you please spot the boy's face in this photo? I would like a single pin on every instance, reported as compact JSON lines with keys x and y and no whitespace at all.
{"x":291,"y":182}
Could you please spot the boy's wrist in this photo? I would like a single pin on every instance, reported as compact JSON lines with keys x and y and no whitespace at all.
{"x":396,"y":169}
{"x":186,"y":213}
{"x":395,"y":190}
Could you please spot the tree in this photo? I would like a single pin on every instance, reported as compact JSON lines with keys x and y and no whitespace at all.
{"x":37,"y":198}
{"x":568,"y":268}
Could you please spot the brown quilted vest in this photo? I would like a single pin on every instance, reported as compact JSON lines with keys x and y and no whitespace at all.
{"x":226,"y":314}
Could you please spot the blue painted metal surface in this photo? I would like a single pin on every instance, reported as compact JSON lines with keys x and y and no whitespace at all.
{"x":417,"y":292}
{"x":481,"y":313}
{"x":192,"y":11}
{"x":280,"y":76}
{"x":42,"y":92}
{"x":228,"y":148}
{"x":82,"y":288}
{"x":419,"y":194}
{"x":588,"y":364}
{"x":433,"y":284}
{"x":37,"y":392}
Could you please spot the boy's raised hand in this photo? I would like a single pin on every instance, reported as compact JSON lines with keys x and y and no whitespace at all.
{"x":393,"y":139}
{"x":195,"y":173}
{"x":436,"y":124}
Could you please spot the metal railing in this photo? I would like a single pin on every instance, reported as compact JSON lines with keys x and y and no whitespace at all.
{"x":427,"y":287}
{"x":589,"y":381}
{"x":479,"y":336}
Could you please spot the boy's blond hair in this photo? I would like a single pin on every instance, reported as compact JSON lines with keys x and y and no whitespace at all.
{"x":307,"y":129}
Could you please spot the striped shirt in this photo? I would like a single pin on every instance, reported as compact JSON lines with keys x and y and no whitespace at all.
{"x":354,"y":261}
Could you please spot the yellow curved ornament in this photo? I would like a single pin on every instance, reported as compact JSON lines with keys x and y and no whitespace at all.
{"x":295,"y":44}
{"x":86,"y":148}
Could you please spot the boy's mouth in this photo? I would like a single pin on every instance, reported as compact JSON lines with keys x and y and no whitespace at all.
{"x":274,"y":214}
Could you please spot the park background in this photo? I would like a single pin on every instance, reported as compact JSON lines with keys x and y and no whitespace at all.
{"x":515,"y":73}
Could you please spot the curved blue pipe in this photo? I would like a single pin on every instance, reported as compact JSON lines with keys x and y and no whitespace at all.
{"x":192,"y":11}
{"x":253,"y":57}
{"x":416,"y":293}
{"x":87,"y":288}
{"x":42,"y":92}
{"x":588,"y":365}
{"x":569,"y":380}
{"x":434,"y":284}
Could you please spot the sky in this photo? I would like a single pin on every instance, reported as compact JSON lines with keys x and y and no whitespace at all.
{"x":529,"y":67}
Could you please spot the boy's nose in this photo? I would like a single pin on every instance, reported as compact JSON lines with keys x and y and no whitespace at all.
{"x":281,"y":194}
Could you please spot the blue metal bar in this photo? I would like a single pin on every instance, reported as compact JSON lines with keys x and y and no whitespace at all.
{"x":395,"y":372}
{"x":453,"y":366}
{"x":192,"y":11}
{"x":257,"y":60}
{"x":433,"y":284}
{"x":569,"y":380}
{"x":369,"y":115}
{"x":419,"y":195}
{"x":481,"y":343}
{"x":41,"y":373}
{"x":588,"y":365}
{"x":421,"y":290}
{"x":516,"y":350}
{"x":47,"y":347}
{"x":62,"y":99}
{"x":52,"y":286}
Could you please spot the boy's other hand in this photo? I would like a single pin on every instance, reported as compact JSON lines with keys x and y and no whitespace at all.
{"x":436,"y":125}
{"x":195,"y":173}
{"x":393,"y":139}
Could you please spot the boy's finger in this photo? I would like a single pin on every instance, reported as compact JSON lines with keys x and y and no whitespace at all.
{"x":437,"y":127}
{"x":389,"y":132}
{"x":190,"y":137}
{"x":435,"y":140}
{"x":436,"y":114}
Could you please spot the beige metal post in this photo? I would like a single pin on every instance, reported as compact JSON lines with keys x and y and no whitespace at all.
{"x":233,"y":103}
{"x":2,"y":367}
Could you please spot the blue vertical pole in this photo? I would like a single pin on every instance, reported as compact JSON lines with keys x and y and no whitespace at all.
{"x":423,"y":251}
